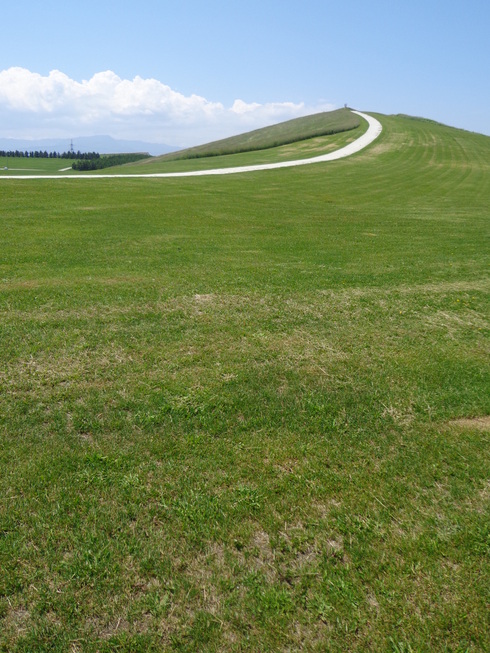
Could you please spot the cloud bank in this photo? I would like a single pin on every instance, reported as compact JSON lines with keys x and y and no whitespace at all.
{"x":56,"y":106}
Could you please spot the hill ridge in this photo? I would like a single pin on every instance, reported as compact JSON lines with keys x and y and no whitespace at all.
{"x":283,"y":133}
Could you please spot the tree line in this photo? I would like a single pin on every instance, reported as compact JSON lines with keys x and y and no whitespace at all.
{"x":38,"y":154}
{"x":108,"y":160}
{"x":81,"y":160}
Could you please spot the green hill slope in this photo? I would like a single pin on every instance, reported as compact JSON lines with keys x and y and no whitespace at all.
{"x":291,"y":131}
{"x":250,"y":412}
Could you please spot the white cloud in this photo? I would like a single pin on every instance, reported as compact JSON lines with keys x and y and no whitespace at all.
{"x":33,"y":106}
{"x":240,"y":107}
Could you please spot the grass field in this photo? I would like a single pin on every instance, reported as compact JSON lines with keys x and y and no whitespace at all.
{"x":249,"y":413}
{"x":25,"y":166}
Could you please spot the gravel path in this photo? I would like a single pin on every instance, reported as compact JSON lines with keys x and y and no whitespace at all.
{"x":373,"y":131}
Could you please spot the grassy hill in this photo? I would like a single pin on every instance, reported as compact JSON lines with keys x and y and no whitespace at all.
{"x":291,"y":131}
{"x":298,"y":138}
{"x":250,"y":412}
{"x":306,"y":148}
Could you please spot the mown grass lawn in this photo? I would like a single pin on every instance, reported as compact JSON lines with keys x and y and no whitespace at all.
{"x":20,"y":166}
{"x":249,"y":413}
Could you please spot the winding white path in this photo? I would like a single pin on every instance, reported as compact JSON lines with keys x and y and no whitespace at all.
{"x":373,"y":131}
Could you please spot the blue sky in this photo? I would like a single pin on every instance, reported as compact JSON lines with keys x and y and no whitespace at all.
{"x":189,"y":71}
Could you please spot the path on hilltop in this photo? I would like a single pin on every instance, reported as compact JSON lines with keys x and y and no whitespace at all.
{"x":373,"y":131}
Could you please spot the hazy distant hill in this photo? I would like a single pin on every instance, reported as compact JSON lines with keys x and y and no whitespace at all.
{"x":101,"y":144}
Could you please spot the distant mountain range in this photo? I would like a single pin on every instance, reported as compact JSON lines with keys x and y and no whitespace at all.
{"x":101,"y":144}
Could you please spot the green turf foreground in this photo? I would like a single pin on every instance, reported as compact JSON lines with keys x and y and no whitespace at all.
{"x":249,"y":413}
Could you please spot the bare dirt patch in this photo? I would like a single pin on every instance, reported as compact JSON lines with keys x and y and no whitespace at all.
{"x":480,"y":423}
{"x":203,"y":298}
